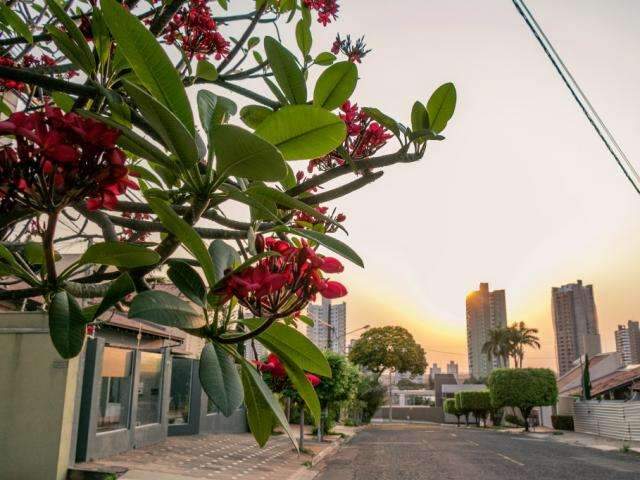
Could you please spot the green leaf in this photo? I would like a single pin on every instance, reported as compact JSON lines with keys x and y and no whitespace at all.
{"x":331,"y":243}
{"x":224,"y":256}
{"x":260,"y":403}
{"x":66,"y":325}
{"x":101,"y":38}
{"x":214,"y":109}
{"x":276,"y":91}
{"x":303,"y":37}
{"x":148,"y":60}
{"x":384,"y":120}
{"x":286,"y":71}
{"x":118,"y":254}
{"x":173,"y":132}
{"x":304,"y":388}
{"x":419,"y":117}
{"x":303,"y":131}
{"x":74,"y":35}
{"x":335,"y":85}
{"x":281,"y":198}
{"x":206,"y":70}
{"x":188,"y":281}
{"x":4,"y":108}
{"x":185,"y":233}
{"x":243,"y":154}
{"x":119,"y":288}
{"x":165,"y":309}
{"x":71,"y":50}
{"x":292,"y":345}
{"x":306,"y":320}
{"x":64,"y":101}
{"x":254,"y":115}
{"x":441,"y":106}
{"x":12,"y":19}
{"x":220,"y":379}
{"x":324,"y":58}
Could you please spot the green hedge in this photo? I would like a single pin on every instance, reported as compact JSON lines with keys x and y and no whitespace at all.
{"x":476,"y":402}
{"x":562,"y":422}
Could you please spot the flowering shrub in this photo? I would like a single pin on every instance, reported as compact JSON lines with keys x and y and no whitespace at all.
{"x":96,"y":93}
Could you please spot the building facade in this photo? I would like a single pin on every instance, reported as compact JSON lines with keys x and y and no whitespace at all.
{"x":575,"y":323}
{"x":452,"y":368}
{"x":329,"y":331}
{"x":433,"y":371}
{"x":628,"y":342}
{"x":486,"y":310}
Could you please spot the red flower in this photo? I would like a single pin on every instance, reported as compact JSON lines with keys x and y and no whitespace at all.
{"x":331,"y":265}
{"x":327,"y":9}
{"x":313,"y":379}
{"x":332,"y":289}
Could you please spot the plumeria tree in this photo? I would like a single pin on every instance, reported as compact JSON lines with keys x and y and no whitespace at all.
{"x":100,"y":144}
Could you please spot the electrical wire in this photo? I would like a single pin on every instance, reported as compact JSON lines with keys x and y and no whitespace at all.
{"x":587,"y":108}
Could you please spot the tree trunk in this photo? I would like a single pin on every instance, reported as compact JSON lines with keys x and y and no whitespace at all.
{"x":525,"y":413}
{"x":301,"y":441}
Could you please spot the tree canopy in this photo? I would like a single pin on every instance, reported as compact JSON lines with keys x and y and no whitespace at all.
{"x":389,"y":348}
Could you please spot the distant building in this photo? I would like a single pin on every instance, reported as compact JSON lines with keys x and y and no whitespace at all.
{"x":628,"y":342}
{"x":329,"y":331}
{"x":452,"y":368}
{"x":433,"y":371}
{"x":575,"y":323}
{"x":485,"y":311}
{"x":408,"y":376}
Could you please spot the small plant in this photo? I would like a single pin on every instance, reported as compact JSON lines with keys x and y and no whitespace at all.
{"x":625,"y":448}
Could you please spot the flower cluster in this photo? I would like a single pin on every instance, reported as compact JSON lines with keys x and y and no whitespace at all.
{"x":132,"y":235}
{"x":28,"y":61}
{"x":355,"y":52}
{"x":327,"y":9}
{"x":364,"y":138}
{"x":304,"y":220}
{"x":281,"y":285}
{"x":194,"y":30}
{"x":59,"y":159}
{"x":274,"y":367}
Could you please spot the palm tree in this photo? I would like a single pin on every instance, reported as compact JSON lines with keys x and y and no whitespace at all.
{"x":498,"y":345}
{"x":522,"y":336}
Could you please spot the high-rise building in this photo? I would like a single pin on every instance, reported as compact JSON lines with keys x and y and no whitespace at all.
{"x":433,"y":371}
{"x":485,"y":311}
{"x":329,"y":331}
{"x":452,"y":368}
{"x":575,"y":323}
{"x":628,"y":342}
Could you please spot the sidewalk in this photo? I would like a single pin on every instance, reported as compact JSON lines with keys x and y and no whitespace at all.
{"x":223,"y":457}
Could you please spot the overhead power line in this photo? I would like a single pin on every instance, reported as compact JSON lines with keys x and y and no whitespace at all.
{"x":587,"y":108}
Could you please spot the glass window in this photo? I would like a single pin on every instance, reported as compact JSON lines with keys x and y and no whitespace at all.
{"x":180,"y":390}
{"x":149,"y":388}
{"x":115,"y":392}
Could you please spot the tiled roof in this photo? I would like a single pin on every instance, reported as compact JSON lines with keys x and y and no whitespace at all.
{"x":619,"y":378}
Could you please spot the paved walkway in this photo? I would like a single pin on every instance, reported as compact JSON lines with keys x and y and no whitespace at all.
{"x":219,"y":457}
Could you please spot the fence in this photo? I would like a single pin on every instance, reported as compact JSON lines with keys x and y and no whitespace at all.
{"x":608,"y":418}
{"x":411,"y":413}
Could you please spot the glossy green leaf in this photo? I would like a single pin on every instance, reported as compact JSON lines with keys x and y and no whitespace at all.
{"x":214,"y":109}
{"x":148,"y":60}
{"x":206,"y":70}
{"x":291,"y":344}
{"x":188,"y":281}
{"x":220,"y":378}
{"x":118,"y":254}
{"x":243,"y":154}
{"x":64,"y":101}
{"x":119,"y":288}
{"x":185,"y":233}
{"x":276,"y":91}
{"x":12,"y":19}
{"x":66,"y":325}
{"x":165,"y":309}
{"x":335,"y":85}
{"x":70,"y":49}
{"x":254,"y":115}
{"x":74,"y":35}
{"x":286,"y":71}
{"x":224,"y":257}
{"x":260,"y":402}
{"x":306,"y":391}
{"x":168,"y":126}
{"x":327,"y":241}
{"x":303,"y":131}
{"x":303,"y":37}
{"x":419,"y":117}
{"x":384,"y":120}
{"x":441,"y":106}
{"x":101,"y":37}
{"x":325,"y":58}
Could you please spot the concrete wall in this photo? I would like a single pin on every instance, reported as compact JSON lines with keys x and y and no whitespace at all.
{"x":38,"y":394}
{"x":415,"y":413}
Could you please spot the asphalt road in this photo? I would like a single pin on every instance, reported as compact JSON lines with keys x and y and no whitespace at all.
{"x":420,"y":452}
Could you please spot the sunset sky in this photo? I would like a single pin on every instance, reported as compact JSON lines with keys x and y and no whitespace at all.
{"x":522,"y":194}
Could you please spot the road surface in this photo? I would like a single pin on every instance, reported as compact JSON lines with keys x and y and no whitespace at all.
{"x":426,"y":451}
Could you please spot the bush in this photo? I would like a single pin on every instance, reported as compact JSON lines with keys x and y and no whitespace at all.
{"x":450,"y":407}
{"x":476,"y":402}
{"x":371,"y":394}
{"x":514,"y":419}
{"x":524,"y":388}
{"x":562,"y":422}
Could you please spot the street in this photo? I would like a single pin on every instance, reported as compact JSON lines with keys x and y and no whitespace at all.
{"x":417,"y":452}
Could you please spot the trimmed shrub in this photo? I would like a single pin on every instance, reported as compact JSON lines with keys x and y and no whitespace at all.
{"x":514,"y":419}
{"x":476,"y":402}
{"x":450,"y":407}
{"x":562,"y":422}
{"x":524,"y":388}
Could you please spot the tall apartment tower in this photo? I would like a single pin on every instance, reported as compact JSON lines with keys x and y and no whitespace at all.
{"x":628,"y":342}
{"x":452,"y":368}
{"x":330,"y":326}
{"x":485,"y":310}
{"x":575,"y":323}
